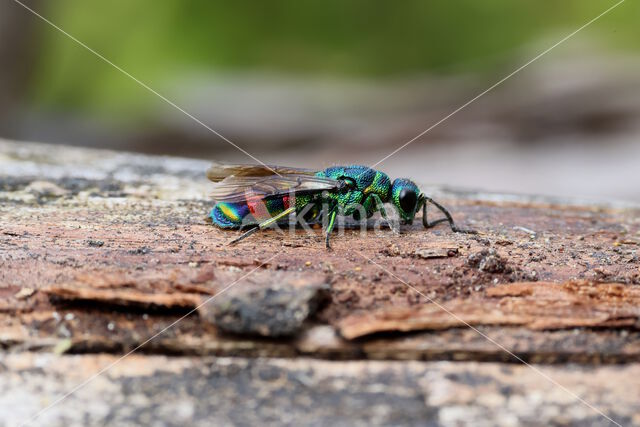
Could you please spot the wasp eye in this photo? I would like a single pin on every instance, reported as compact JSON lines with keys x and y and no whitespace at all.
{"x":408,"y":200}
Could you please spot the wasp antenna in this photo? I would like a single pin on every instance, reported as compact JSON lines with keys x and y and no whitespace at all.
{"x":447,"y":218}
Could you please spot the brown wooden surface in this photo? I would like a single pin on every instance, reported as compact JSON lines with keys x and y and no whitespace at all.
{"x":100,"y":251}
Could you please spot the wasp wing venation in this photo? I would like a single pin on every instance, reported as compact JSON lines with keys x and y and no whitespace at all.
{"x":219,"y":171}
{"x":242,"y":188}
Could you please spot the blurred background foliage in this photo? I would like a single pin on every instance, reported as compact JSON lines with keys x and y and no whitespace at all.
{"x":162,"y":41}
{"x":314,"y":83}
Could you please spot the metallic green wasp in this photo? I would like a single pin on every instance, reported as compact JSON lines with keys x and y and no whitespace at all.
{"x":260,"y":196}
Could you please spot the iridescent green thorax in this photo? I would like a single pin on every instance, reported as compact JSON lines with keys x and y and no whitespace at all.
{"x":363,"y":183}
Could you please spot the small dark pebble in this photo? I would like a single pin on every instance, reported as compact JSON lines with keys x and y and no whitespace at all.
{"x":140,"y":251}
{"x":481,"y":240}
{"x":489,"y":261}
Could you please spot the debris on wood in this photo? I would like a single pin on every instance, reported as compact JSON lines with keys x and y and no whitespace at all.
{"x":429,"y":251}
{"x":436,"y":252}
{"x":488,"y":260}
{"x":24,"y":293}
{"x":46,"y":189}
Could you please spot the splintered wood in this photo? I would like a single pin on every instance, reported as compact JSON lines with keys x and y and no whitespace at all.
{"x":536,"y":305}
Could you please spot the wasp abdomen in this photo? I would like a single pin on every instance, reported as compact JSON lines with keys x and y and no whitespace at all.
{"x":229,"y":215}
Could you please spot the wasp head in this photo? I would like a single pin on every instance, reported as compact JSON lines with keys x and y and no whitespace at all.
{"x":405,"y":196}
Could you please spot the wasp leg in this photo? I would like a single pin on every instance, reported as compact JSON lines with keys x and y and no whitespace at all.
{"x":244,"y":235}
{"x":243,"y":226}
{"x":380,"y":208}
{"x":263,"y":225}
{"x":446,"y":213}
{"x":330,"y":225}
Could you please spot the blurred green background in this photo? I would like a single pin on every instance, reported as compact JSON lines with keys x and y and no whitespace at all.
{"x":162,"y":41}
{"x":317,"y":83}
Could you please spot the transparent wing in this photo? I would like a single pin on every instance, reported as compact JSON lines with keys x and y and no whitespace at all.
{"x":240,"y":188}
{"x":219,"y":171}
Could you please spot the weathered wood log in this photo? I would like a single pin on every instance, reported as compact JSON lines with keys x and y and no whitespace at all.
{"x":99,"y":251}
